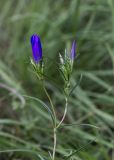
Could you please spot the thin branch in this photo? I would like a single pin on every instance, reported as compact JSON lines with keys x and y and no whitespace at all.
{"x":64,"y":115}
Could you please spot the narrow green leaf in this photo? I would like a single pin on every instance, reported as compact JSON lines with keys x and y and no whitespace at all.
{"x":77,"y":84}
{"x":43,"y":104}
{"x":80,"y":149}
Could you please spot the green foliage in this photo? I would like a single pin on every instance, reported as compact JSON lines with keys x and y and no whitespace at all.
{"x":25,"y":127}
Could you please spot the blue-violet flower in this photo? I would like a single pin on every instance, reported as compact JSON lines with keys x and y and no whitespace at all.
{"x":36,"y":48}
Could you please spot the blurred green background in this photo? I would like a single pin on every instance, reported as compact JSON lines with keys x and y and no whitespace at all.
{"x":25,"y":127}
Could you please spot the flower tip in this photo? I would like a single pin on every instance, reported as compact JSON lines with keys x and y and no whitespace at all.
{"x":34,"y":38}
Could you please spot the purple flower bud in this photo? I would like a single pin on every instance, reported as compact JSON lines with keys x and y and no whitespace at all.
{"x":73,"y":50}
{"x":36,"y":48}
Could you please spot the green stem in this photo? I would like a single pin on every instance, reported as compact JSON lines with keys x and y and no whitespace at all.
{"x":55,"y":142}
{"x":51,"y":103}
{"x":54,"y":127}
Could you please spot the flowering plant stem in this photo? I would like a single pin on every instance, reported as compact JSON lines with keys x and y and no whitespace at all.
{"x":55,"y":142}
{"x":51,"y":103}
{"x":55,"y":126}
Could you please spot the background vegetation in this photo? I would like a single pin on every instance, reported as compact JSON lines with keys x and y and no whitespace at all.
{"x":25,"y":127}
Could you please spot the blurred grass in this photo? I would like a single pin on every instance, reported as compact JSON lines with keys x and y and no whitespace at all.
{"x":28,"y":129}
